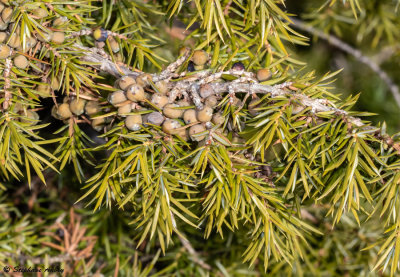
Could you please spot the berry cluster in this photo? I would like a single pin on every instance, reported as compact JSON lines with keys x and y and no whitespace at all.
{"x":140,"y":102}
{"x":11,"y":42}
{"x":79,"y":106}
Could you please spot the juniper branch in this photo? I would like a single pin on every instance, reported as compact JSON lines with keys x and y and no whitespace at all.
{"x":245,"y":83}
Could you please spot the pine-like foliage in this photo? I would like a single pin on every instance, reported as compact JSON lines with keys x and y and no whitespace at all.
{"x":189,"y":138}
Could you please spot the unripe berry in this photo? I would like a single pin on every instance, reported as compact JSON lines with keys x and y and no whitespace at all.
{"x":21,"y":62}
{"x":144,"y":79}
{"x":5,"y":51}
{"x":40,"y":13}
{"x":55,"y":83}
{"x":238,"y":66}
{"x":1,"y":7}
{"x":135,"y":93}
{"x":58,"y":37}
{"x":117,"y":97}
{"x":198,"y":67}
{"x":77,"y":106}
{"x":154,"y":118}
{"x":98,"y":123}
{"x":63,"y":111}
{"x":159,"y":100}
{"x":190,"y":116}
{"x":133,"y":122}
{"x":44,"y":90}
{"x":32,"y":117}
{"x":114,"y":45}
{"x":125,"y":81}
{"x":206,"y":90}
{"x":171,"y":111}
{"x":184,"y":134}
{"x":170,"y":126}
{"x":205,"y":114}
{"x":253,"y":105}
{"x":15,"y":40}
{"x":199,"y":57}
{"x":100,"y":34}
{"x":196,"y":129}
{"x":125,"y":109}
{"x":30,"y":43}
{"x":162,"y":86}
{"x":60,"y":21}
{"x":3,"y":36}
{"x":17,"y":107}
{"x":211,"y":101}
{"x":3,"y":25}
{"x":218,"y":119}
{"x":92,"y":107}
{"x":263,"y":74}
{"x":6,"y":14}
